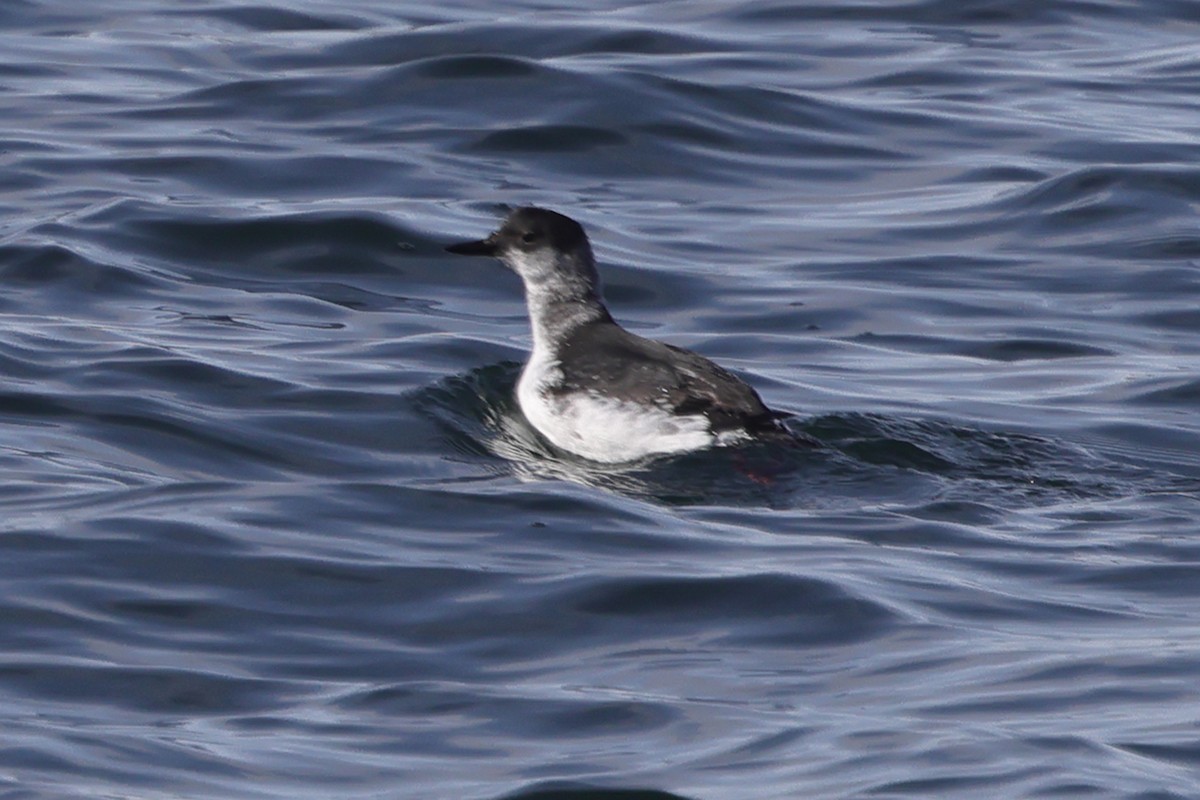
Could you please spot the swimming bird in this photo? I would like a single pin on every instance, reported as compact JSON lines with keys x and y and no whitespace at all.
{"x":593,"y":388}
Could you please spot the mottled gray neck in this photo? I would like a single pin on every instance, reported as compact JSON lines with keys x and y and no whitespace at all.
{"x":562,"y":293}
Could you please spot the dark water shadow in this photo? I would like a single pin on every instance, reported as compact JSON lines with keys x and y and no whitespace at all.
{"x":857,"y":459}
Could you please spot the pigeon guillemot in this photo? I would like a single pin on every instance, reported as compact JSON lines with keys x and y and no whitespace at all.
{"x":590,"y":386}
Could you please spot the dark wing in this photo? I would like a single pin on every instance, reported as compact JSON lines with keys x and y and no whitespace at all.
{"x":639,"y":370}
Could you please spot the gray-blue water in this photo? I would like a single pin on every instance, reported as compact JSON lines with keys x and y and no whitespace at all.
{"x":271,"y":526}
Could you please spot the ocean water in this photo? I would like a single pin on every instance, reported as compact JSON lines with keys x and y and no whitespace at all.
{"x":272,"y":527}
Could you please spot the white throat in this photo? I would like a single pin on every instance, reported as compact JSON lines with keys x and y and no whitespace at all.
{"x":561,"y":293}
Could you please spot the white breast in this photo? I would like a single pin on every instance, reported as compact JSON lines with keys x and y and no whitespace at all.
{"x":600,"y":428}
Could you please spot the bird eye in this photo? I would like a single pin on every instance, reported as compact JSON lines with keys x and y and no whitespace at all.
{"x":529,"y":237}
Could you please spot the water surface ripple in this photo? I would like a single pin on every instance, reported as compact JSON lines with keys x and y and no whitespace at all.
{"x":272,"y":527}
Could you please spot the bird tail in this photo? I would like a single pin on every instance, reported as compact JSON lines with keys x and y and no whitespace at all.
{"x":770,"y":427}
